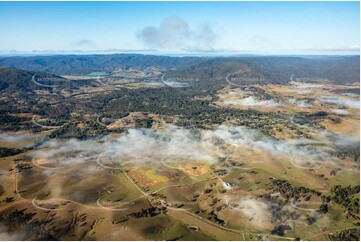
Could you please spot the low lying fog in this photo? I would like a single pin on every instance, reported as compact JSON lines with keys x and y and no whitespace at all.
{"x":146,"y":146}
{"x":252,"y":101}
{"x":343,"y":102}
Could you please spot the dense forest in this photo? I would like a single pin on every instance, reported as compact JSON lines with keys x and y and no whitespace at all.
{"x":338,"y":69}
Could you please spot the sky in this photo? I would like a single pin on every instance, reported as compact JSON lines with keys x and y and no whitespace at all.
{"x":181,"y":27}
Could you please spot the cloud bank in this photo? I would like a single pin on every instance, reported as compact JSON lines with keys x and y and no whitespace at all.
{"x":138,"y":146}
{"x":148,"y":147}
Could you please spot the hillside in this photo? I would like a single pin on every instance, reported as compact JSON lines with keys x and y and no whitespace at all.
{"x":12,"y":79}
{"x":75,"y":64}
{"x":276,"y":69}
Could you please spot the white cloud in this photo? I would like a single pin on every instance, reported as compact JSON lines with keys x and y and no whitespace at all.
{"x":306,"y":85}
{"x":255,"y":210}
{"x":83,"y":44}
{"x":146,"y":146}
{"x":252,"y":101}
{"x":11,"y":236}
{"x":174,"y":33}
{"x":13,"y":137}
{"x":340,"y":112}
{"x":343,"y":102}
{"x":299,"y":103}
{"x":138,"y":146}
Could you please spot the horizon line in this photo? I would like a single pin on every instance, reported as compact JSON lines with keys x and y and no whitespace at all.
{"x":176,"y":54}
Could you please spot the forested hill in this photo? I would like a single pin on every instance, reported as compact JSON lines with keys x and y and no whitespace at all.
{"x":277,"y":70}
{"x":16,"y":80}
{"x":271,"y":69}
{"x":85,"y":64}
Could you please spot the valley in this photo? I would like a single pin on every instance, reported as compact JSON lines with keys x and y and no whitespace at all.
{"x":132,"y":147}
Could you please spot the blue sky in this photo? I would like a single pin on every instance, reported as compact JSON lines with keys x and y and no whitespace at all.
{"x":182,"y":27}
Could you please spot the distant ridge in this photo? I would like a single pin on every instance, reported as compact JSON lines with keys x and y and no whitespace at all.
{"x":84,"y":64}
{"x":274,"y":69}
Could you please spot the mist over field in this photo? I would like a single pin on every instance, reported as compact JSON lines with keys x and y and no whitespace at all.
{"x":145,"y":146}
